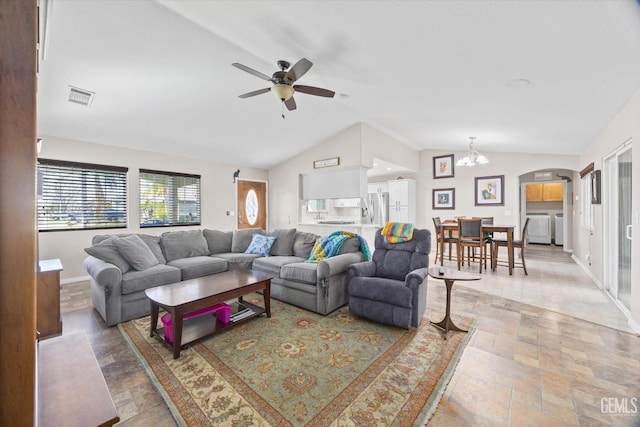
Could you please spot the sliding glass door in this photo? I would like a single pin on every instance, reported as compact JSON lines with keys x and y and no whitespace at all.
{"x":617,"y":222}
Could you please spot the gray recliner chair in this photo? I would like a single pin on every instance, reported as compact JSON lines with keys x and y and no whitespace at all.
{"x":392,"y":287}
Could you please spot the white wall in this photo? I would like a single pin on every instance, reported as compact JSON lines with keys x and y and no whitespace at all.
{"x":623,"y":127}
{"x":218,"y":195}
{"x":511,"y":165}
{"x":356,"y":146}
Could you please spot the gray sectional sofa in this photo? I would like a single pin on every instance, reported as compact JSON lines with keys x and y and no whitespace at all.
{"x":122,"y":266}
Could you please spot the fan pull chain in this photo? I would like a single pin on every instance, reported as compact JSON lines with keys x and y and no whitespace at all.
{"x":283,"y":109}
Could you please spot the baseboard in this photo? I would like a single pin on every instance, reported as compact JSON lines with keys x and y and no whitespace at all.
{"x":586,"y":269}
{"x":70,"y":280}
{"x":635,"y":326}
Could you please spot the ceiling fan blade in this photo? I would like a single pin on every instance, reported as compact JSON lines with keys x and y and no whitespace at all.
{"x":290,"y":103}
{"x":251,"y":71}
{"x":254,"y":93}
{"x":298,"y":70}
{"x":311,"y":90}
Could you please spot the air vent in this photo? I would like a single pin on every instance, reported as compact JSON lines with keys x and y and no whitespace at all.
{"x":80,"y":96}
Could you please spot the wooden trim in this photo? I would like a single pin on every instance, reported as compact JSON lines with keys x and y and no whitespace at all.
{"x":587,"y":170}
{"x":18,"y":35}
{"x":64,"y":163}
{"x":186,"y":175}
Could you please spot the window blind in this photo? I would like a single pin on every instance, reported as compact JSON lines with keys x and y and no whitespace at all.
{"x":80,"y":196}
{"x":169,"y":198}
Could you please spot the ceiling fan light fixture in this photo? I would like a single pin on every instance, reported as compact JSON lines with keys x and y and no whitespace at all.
{"x":472,"y":157}
{"x":282,"y":91}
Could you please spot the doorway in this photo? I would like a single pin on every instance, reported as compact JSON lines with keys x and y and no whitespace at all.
{"x":252,"y":204}
{"x":617,"y":223}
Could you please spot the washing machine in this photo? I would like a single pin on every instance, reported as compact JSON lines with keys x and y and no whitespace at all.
{"x":559,"y":229}
{"x":539,"y":230}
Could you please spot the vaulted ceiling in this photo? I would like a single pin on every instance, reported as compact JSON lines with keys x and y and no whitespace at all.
{"x":520,"y":76}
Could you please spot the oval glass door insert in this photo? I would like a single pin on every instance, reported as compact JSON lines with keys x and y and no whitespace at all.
{"x":251,"y":207}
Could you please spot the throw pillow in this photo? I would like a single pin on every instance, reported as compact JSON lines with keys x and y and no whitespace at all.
{"x":219,"y":242}
{"x":260,"y":245}
{"x":183,"y":244}
{"x":283,"y":246}
{"x":242,"y":239}
{"x":108,"y":252}
{"x":136,"y":252}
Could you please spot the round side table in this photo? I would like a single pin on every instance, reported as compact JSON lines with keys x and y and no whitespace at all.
{"x":450,"y":276}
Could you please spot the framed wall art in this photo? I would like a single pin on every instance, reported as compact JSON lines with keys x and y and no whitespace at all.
{"x":489,"y":190}
{"x":443,"y":166}
{"x":444,"y":198}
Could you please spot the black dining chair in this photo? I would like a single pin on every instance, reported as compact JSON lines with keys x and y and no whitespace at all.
{"x":487,"y":237}
{"x":470,"y":237}
{"x":441,"y":239}
{"x":497,"y":244}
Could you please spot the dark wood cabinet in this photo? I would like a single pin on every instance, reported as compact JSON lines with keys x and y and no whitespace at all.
{"x":48,"y":322}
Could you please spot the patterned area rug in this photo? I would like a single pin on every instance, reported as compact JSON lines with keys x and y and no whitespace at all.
{"x":302,"y":369}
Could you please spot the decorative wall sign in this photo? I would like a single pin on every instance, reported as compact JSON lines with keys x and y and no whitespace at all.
{"x":443,"y":166}
{"x":334,"y":161}
{"x":444,"y":198}
{"x":489,"y":190}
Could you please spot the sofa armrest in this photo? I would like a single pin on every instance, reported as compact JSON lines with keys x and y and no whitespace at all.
{"x":104,"y":273}
{"x":362,"y":269}
{"x":415,"y":278}
{"x":337,"y":264}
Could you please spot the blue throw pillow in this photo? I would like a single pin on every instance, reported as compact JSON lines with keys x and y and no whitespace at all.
{"x":260,"y":245}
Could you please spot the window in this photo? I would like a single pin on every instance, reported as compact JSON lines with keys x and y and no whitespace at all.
{"x":168,"y":198}
{"x":586,"y":192}
{"x":587,"y":207}
{"x":80,"y":196}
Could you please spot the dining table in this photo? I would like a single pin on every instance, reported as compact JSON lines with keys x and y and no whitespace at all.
{"x":451,"y":225}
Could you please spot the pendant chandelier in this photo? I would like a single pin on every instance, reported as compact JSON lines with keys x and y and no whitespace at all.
{"x":472,"y":157}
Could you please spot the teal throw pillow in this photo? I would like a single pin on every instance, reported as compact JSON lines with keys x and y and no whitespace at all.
{"x":260,"y":245}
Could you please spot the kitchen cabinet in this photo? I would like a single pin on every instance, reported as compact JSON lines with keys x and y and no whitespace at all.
{"x":347,"y":203}
{"x":534,"y":192}
{"x":552,"y":192}
{"x":547,"y":192}
{"x":402,"y":200}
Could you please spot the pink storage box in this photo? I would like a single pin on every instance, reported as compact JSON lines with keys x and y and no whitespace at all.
{"x":222,"y":311}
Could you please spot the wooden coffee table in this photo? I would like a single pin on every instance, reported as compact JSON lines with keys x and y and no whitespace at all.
{"x":184,"y":297}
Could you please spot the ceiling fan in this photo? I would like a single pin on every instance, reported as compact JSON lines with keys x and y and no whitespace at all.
{"x":283,"y":87}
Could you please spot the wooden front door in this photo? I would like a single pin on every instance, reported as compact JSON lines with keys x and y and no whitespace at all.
{"x":252,"y":204}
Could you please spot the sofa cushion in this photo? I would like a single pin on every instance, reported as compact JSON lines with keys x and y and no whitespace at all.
{"x":161,"y":274}
{"x":136,"y":252}
{"x":199,"y":266}
{"x":300,"y":272}
{"x":236,"y":261}
{"x":283,"y":246}
{"x":152,"y":241}
{"x":242,"y":238}
{"x":183,"y":244}
{"x":303,"y":243}
{"x":154,"y":244}
{"x":107,"y":251}
{"x":349,"y":245}
{"x":273,"y":264}
{"x":380,"y":289}
{"x":218,"y":241}
{"x":260,"y":245}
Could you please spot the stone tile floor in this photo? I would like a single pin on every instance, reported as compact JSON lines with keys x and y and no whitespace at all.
{"x":550,"y":349}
